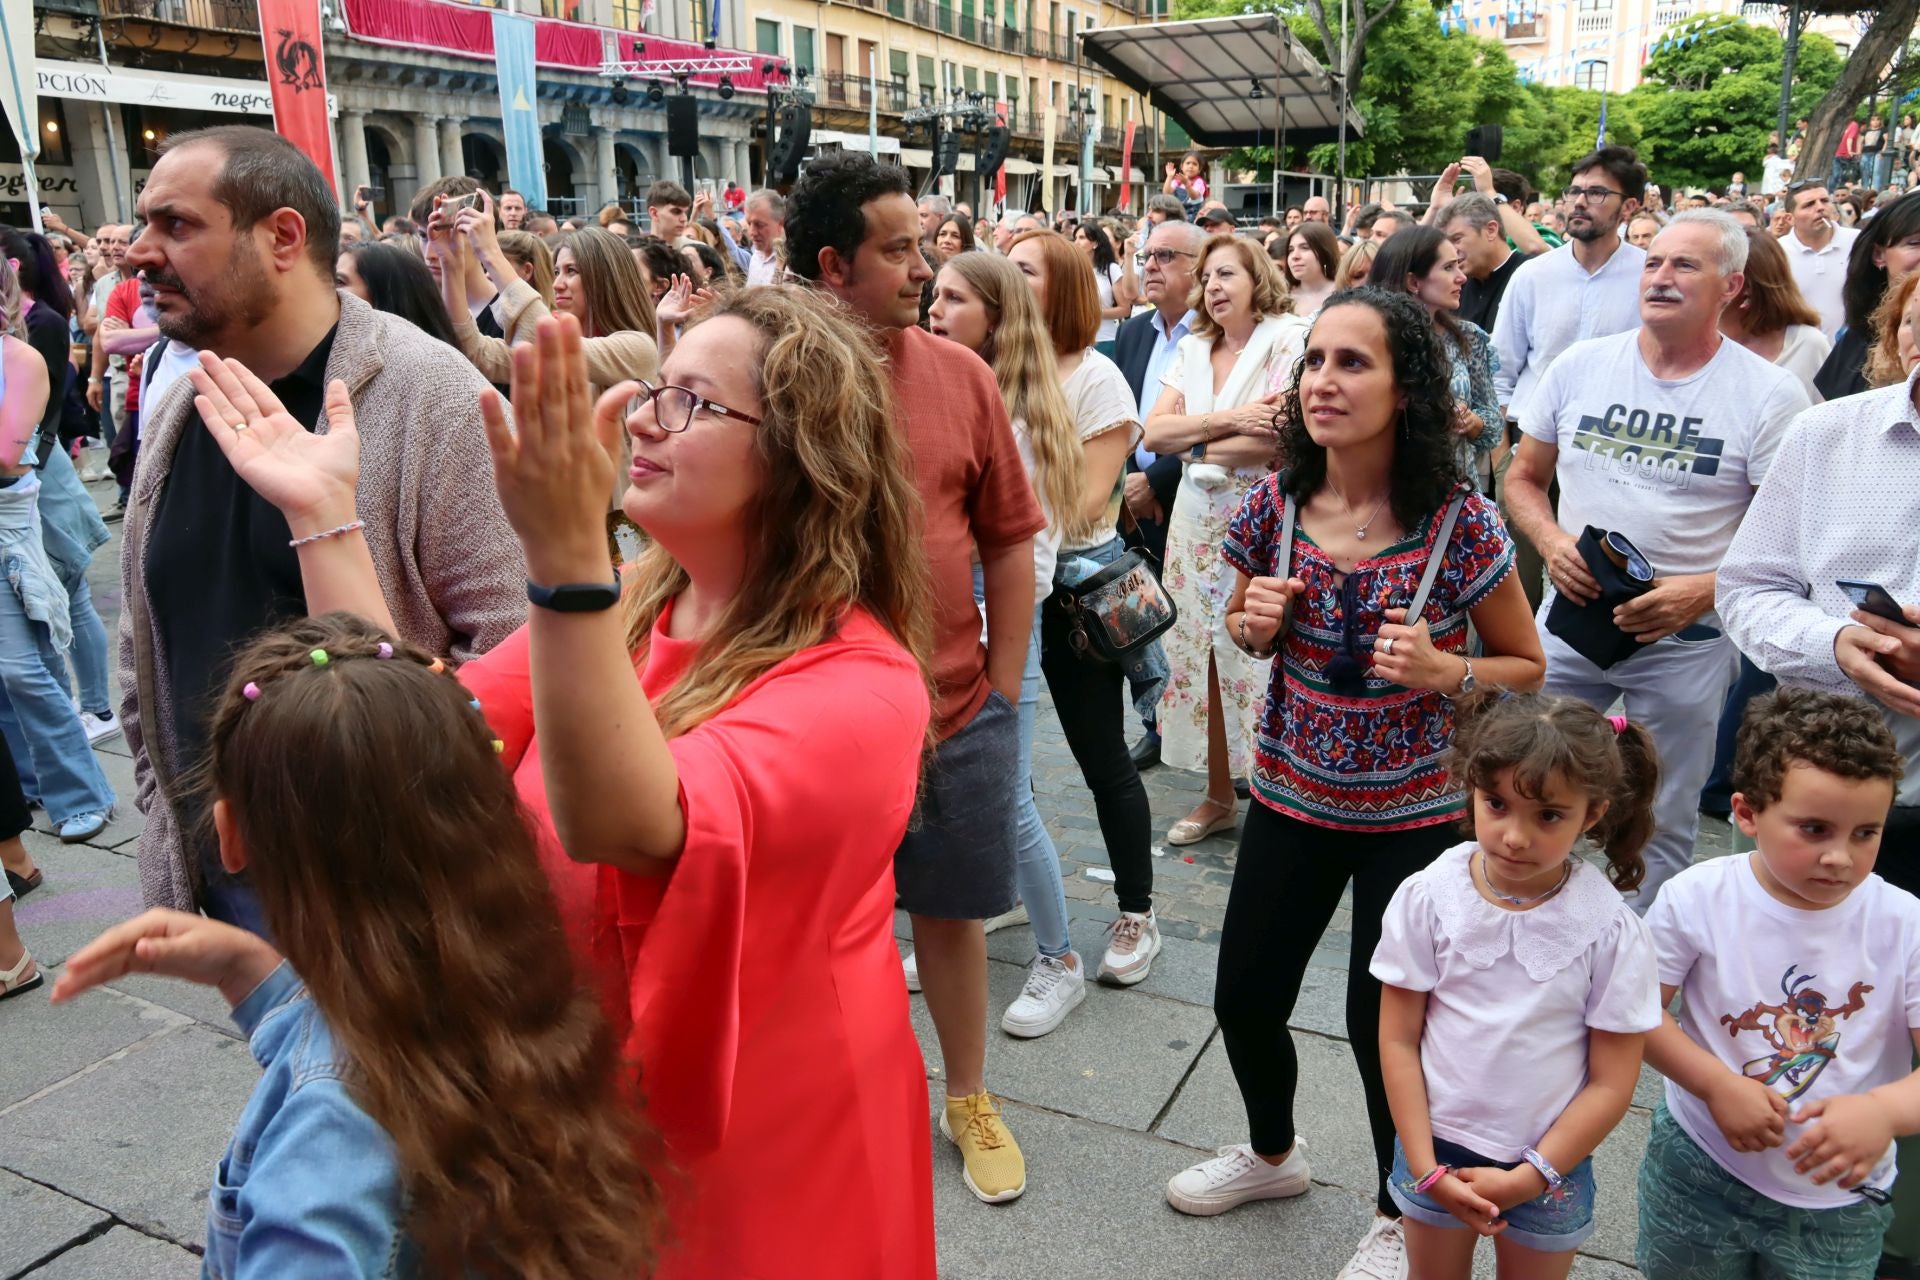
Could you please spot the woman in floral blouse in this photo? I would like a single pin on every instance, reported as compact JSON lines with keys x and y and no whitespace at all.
{"x":1348,"y":781}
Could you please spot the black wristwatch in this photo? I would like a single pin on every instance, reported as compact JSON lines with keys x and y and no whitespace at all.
{"x":576,"y":597}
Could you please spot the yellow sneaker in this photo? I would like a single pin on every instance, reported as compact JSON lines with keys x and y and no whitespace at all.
{"x":995,"y":1170}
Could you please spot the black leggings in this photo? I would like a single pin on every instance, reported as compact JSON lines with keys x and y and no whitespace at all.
{"x":14,"y":816}
{"x":1287,"y":882}
{"x":1090,"y":699}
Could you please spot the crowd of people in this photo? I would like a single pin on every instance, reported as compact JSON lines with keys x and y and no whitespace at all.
{"x":624,"y":617}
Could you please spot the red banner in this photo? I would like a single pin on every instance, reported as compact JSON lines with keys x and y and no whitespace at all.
{"x":1000,"y":174}
{"x":297,"y":73}
{"x":1126,"y":163}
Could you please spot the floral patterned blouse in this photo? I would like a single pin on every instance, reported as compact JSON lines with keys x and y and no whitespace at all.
{"x":1337,"y":746}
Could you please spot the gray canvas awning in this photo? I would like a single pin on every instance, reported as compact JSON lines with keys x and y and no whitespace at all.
{"x":1203,"y":73}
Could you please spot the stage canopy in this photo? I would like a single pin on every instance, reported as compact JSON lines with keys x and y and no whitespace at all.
{"x":1229,"y":82}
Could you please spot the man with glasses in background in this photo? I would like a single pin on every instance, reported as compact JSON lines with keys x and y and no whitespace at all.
{"x":1587,"y":288}
{"x":1143,"y":348}
{"x":1817,"y":250}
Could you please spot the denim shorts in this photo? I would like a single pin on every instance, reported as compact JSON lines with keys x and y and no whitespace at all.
{"x":1556,"y":1222}
{"x":1699,"y":1222}
{"x":956,"y":861}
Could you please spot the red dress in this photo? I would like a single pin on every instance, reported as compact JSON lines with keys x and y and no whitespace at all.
{"x":758,"y":985}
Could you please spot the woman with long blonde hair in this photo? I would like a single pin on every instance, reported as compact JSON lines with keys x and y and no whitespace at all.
{"x":981,"y":303}
{"x":1217,"y":413}
{"x":719,"y":753}
{"x":532,"y":259}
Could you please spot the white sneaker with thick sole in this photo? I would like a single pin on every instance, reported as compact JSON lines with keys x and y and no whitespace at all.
{"x":1236,"y":1176}
{"x":1053,"y":991}
{"x":1382,"y":1254}
{"x":1132,"y":943}
{"x":98,"y":729}
{"x":910,"y":966}
{"x":1017,"y":916}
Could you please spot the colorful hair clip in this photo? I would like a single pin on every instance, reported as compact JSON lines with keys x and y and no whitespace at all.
{"x":474,"y":703}
{"x":1619,"y":723}
{"x":499,"y":747}
{"x":385,"y":650}
{"x":437,"y":667}
{"x":319,"y":657}
{"x":250,"y":691}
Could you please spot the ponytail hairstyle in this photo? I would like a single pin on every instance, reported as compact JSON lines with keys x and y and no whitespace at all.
{"x":1021,"y":352}
{"x":1540,"y":738}
{"x":398,"y":875}
{"x":13,"y":314}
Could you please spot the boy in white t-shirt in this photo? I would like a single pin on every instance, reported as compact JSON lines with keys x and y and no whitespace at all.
{"x":1789,"y":1071}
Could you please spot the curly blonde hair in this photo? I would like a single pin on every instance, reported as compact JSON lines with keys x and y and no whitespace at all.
{"x":1884,"y":366}
{"x":1270,"y":297}
{"x":13,"y":316}
{"x":1020,"y":350}
{"x":837,"y":523}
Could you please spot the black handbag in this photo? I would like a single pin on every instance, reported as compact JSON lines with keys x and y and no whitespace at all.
{"x":1589,"y":629}
{"x":1117,"y":611}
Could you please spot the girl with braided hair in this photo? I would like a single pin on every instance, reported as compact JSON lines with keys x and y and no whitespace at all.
{"x":440,"y":1095}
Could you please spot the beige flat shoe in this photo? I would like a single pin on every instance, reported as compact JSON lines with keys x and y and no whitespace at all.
{"x":1187,"y":831}
{"x":15,"y":981}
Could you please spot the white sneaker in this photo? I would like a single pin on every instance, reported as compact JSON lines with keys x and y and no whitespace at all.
{"x":1014,"y":917}
{"x":911,"y":967}
{"x":97,"y":728}
{"x":1053,"y":991}
{"x":1236,"y":1176}
{"x":1382,"y":1254}
{"x":1132,"y":944}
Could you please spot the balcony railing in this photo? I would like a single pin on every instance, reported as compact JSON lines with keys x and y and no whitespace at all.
{"x":1671,"y":15}
{"x":840,"y":89}
{"x":205,"y":15}
{"x":1525,"y":30}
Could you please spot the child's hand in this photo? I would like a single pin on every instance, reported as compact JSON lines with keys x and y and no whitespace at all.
{"x":1505,"y":1187}
{"x":1849,"y":1139}
{"x":1465,"y":1203}
{"x":172,"y":944}
{"x":1751,"y":1116}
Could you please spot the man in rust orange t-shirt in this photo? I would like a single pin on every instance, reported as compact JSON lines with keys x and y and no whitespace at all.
{"x":852,"y":227}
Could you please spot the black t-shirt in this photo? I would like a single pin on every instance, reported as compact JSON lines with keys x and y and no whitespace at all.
{"x":47,"y":333}
{"x":218,"y":566}
{"x":1480,"y":299}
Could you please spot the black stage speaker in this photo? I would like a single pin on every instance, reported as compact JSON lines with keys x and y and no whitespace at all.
{"x":946,"y":152}
{"x":992,"y":152}
{"x":683,"y":126}
{"x":795,"y":124}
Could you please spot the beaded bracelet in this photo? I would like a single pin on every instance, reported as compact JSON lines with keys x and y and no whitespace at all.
{"x":348,"y":527}
{"x":1426,"y":1184}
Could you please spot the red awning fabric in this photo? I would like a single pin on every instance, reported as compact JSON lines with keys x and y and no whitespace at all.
{"x":466,"y":31}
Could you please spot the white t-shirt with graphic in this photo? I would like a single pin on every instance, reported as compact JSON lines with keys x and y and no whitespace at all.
{"x":1672,"y":464}
{"x":1816,"y":1004}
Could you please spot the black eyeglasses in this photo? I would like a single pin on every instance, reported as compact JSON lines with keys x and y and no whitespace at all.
{"x":1804,"y":184}
{"x":674,"y":407}
{"x":1599,"y":195}
{"x":1165,"y":257}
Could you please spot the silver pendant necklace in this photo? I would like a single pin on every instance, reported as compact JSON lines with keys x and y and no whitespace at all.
{"x":1359,"y":532}
{"x":1565,"y":875}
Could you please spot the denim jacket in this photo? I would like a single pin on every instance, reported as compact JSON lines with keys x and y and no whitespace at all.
{"x":309,"y":1186}
{"x":23,"y":558}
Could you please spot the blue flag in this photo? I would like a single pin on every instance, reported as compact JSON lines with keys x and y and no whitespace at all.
{"x":1602,"y":140}
{"x":519,"y":116}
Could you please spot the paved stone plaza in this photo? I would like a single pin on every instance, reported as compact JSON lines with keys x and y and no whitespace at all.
{"x":114,"y":1110}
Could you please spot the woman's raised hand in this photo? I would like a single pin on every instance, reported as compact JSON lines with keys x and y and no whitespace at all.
{"x":310,"y":476}
{"x":475,"y":226}
{"x":1264,"y":609}
{"x":1406,"y":656}
{"x":681,"y":301}
{"x":554,"y":466}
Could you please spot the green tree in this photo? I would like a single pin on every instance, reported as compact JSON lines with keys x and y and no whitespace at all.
{"x":1554,"y":125}
{"x":1711,"y":99}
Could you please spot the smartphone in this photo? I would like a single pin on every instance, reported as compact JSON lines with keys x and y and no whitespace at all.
{"x":457,"y":205}
{"x":1873,"y":598}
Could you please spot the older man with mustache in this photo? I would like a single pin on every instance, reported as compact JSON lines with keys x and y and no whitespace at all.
{"x":1659,"y":435}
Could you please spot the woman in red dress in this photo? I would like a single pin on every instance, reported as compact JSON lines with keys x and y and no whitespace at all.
{"x":720,"y":768}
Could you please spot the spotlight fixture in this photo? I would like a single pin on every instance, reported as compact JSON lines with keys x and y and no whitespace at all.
{"x":620,"y":95}
{"x":726,"y":87}
{"x":656,"y":92}
{"x":1255,"y":91}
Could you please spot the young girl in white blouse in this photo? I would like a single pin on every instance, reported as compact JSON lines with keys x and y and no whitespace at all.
{"x":1519,"y":988}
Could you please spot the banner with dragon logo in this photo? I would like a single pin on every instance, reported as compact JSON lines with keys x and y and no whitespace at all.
{"x":297,"y":71}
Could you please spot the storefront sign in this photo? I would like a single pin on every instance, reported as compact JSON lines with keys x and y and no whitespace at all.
{"x":53,"y":181}
{"x":151,"y":89}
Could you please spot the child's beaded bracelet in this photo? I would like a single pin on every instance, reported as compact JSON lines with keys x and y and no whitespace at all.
{"x":1426,"y":1184}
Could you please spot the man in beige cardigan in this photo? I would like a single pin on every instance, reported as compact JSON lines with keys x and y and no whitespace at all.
{"x":239,"y":244}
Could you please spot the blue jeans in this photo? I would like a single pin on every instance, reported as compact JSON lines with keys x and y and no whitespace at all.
{"x":73,"y":531}
{"x":42,"y":729}
{"x":1036,"y":868}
